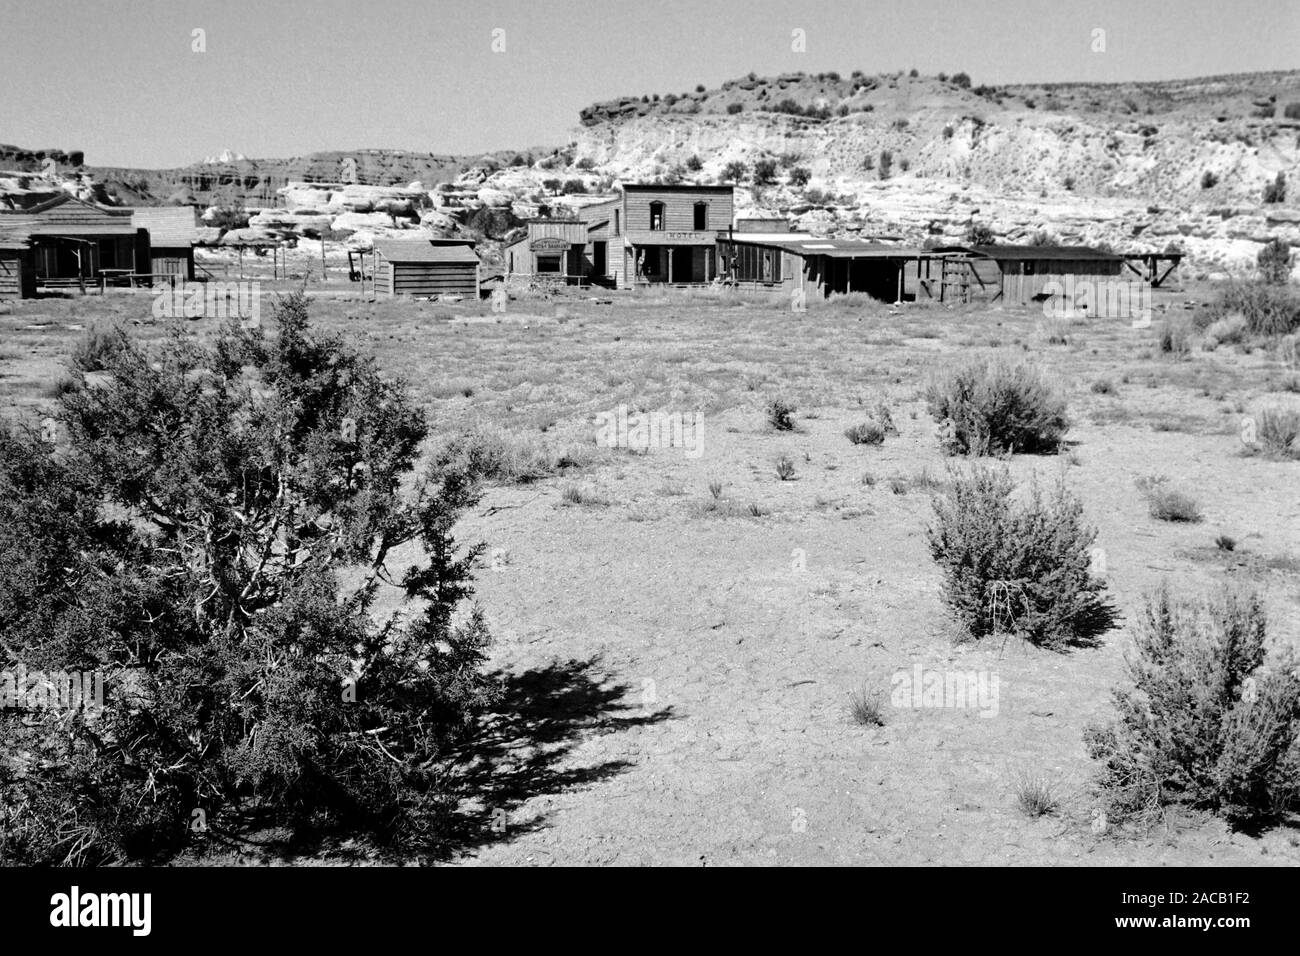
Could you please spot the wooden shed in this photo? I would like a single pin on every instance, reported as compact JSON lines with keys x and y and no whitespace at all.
{"x":17,"y":269}
{"x":173,"y":231}
{"x":426,"y":268}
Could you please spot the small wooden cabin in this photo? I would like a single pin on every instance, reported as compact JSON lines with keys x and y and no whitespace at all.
{"x":426,"y":268}
{"x":173,"y":231}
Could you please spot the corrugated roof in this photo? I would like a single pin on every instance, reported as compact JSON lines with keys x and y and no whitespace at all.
{"x":169,"y":226}
{"x":423,"y":250}
{"x":805,"y":245}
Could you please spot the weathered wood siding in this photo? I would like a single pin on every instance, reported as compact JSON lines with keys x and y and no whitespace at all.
{"x":1022,"y":280}
{"x":17,"y":274}
{"x":173,"y":262}
{"x":679,"y":209}
{"x":428,"y":279}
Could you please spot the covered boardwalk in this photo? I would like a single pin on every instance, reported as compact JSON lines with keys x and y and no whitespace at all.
{"x":74,"y":243}
{"x":819,"y":266}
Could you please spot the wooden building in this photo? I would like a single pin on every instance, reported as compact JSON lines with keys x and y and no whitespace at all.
{"x":670,"y":232}
{"x":426,"y":268}
{"x":552,"y":247}
{"x":173,"y":231}
{"x":75,"y":242}
{"x":785,"y":261}
{"x":1024,"y":271}
{"x":17,"y":269}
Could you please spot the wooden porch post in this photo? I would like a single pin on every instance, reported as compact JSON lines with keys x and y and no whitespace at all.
{"x":670,"y":264}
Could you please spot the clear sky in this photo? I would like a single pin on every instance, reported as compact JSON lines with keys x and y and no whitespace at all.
{"x":121,"y":81}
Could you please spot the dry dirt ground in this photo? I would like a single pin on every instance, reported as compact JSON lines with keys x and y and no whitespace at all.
{"x":679,"y":669}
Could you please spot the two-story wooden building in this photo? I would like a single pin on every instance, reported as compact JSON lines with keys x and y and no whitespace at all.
{"x":670,"y":233}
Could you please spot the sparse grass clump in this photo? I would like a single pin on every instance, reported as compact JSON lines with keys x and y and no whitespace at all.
{"x":1174,"y":338}
{"x":865,"y":709}
{"x":997,"y":406}
{"x":780,"y":415}
{"x":1166,"y":503}
{"x":1206,"y":724}
{"x":1104,"y":386}
{"x":1017,"y":567}
{"x":1036,"y":795}
{"x":785,"y":468}
{"x":1277,"y":432}
{"x":578,"y":495}
{"x":491,"y":454}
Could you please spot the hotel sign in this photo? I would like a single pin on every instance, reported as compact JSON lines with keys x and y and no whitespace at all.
{"x":549,"y":244}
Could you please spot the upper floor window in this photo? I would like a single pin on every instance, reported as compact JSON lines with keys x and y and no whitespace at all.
{"x":701,"y":216}
{"x":656,"y":216}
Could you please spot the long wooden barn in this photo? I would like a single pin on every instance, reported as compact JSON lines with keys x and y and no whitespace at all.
{"x":426,"y":268}
{"x":1023,"y":272}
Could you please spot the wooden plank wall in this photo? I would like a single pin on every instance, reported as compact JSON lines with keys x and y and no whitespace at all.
{"x":421,"y":279}
{"x":679,"y":210}
{"x":11,"y":274}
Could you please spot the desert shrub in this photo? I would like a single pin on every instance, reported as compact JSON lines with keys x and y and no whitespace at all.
{"x":488,"y":453}
{"x":1277,"y":431}
{"x":734,"y":108}
{"x":694,"y":163}
{"x":947,"y":132}
{"x":979,"y":234}
{"x":1104,"y":386}
{"x":1275,"y":192}
{"x":1174,"y":338}
{"x":1229,"y":330}
{"x":1017,"y":567}
{"x":996,"y":406}
{"x":866,"y":433}
{"x":780,"y":415}
{"x":765,"y":171}
{"x":734,"y":171}
{"x":1274,"y":261}
{"x":229,"y":217}
{"x":210,"y":538}
{"x":785,"y":468}
{"x":962,"y":80}
{"x":1205,"y":724}
{"x":886,"y":163}
{"x":1166,"y":503}
{"x":1209,"y":180}
{"x":799,"y":176}
{"x":98,"y":347}
{"x":866,"y":708}
{"x":1270,"y":309}
{"x":1036,"y":795}
{"x":573,"y":187}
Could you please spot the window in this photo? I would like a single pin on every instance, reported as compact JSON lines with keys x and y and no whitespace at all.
{"x":548,"y":264}
{"x":701,"y":216}
{"x":617,"y":231}
{"x":656,"y":216}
